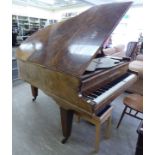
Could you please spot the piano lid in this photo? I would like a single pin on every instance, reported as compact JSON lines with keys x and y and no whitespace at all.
{"x":71,"y":45}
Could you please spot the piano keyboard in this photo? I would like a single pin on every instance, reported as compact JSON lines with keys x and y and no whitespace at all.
{"x":104,"y":92}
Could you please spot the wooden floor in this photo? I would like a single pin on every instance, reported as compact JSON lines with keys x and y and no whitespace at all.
{"x":37,"y":129}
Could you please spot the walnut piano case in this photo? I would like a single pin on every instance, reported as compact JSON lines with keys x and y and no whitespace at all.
{"x":55,"y":60}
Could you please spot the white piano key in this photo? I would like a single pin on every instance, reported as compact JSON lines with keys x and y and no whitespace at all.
{"x":112,"y":90}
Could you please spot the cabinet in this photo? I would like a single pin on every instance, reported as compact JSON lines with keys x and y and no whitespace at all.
{"x":15,"y":75}
{"x":68,"y":15}
{"x":23,"y":27}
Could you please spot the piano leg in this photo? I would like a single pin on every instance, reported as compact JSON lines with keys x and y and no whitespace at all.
{"x":66,"y":122}
{"x":34,"y":92}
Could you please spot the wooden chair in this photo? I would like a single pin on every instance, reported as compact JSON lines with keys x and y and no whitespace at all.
{"x":133,"y":102}
{"x":104,"y":116}
{"x":131,"y":50}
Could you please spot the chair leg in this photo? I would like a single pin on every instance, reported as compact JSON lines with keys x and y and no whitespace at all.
{"x":97,"y":137}
{"x":121,"y":116}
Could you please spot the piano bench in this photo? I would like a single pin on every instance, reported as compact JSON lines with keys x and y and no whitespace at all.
{"x":97,"y":120}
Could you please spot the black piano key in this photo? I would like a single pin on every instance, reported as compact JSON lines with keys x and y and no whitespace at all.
{"x":98,"y":92}
{"x":90,"y":97}
{"x":113,"y":83}
{"x":107,"y":86}
{"x":93,"y":95}
{"x":102,"y":90}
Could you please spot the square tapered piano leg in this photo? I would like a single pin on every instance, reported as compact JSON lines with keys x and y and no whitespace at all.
{"x":34,"y":91}
{"x":66,"y":121}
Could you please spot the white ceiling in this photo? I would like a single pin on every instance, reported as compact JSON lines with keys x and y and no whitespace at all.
{"x":63,"y":4}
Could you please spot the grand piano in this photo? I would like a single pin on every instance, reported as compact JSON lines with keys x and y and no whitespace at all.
{"x":60,"y":60}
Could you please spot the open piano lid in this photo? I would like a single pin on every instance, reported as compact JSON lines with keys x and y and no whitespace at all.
{"x":71,"y":45}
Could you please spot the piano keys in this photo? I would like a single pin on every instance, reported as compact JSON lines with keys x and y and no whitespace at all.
{"x":55,"y":59}
{"x":106,"y":91}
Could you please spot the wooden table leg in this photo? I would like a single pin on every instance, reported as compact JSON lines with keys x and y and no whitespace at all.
{"x":34,"y":91}
{"x":66,"y":122}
